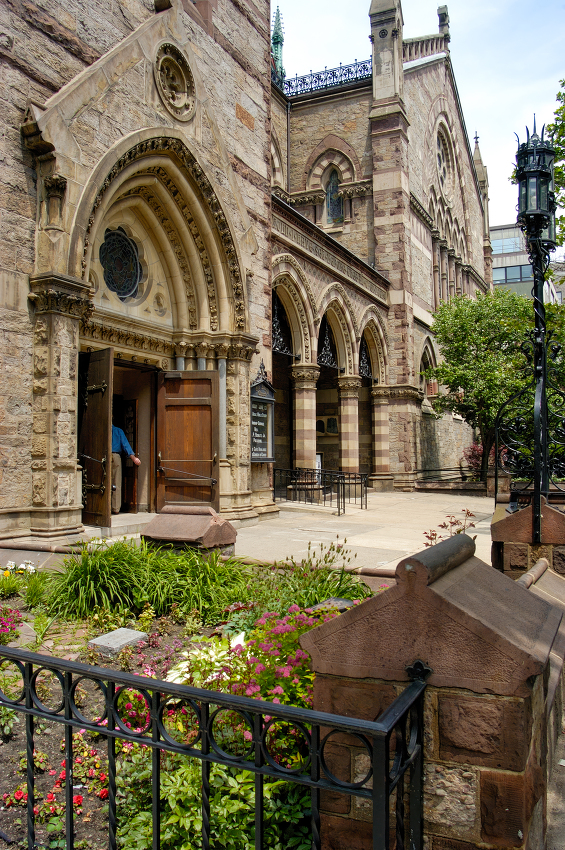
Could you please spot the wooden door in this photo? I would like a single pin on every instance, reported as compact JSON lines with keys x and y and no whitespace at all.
{"x":187,"y":439}
{"x":95,"y":434}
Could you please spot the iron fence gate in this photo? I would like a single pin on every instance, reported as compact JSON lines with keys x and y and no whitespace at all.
{"x":321,"y":487}
{"x":393,"y":744}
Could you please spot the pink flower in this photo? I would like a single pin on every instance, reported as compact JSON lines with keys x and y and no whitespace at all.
{"x":129,"y":706}
{"x":277,"y":690}
{"x":247,"y":735}
{"x":260,"y":668}
{"x":252,"y":689}
{"x":277,"y":700}
{"x":52,"y":772}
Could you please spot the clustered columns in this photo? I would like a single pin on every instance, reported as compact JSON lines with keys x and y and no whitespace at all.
{"x":451,"y":263}
{"x":436,"y":268}
{"x":380,"y":474}
{"x":349,"y":422}
{"x":444,"y":270}
{"x":60,"y":304}
{"x":305,"y":379}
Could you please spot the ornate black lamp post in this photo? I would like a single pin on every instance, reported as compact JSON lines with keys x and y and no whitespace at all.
{"x":536,"y":217}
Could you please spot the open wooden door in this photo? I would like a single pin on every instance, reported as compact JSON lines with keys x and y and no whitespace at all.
{"x":95,"y":434}
{"x":187,"y":439}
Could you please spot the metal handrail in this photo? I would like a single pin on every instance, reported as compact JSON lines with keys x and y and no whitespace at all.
{"x":401,"y":722}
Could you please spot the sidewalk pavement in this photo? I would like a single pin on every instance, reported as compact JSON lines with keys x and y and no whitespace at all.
{"x":392,"y":527}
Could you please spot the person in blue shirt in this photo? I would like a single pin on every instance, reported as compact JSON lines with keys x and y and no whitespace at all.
{"x":120,"y":446}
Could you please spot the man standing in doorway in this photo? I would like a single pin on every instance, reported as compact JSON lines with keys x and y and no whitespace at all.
{"x":120,"y":446}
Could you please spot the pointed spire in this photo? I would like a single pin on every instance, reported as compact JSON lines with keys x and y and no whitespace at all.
{"x":277,"y":41}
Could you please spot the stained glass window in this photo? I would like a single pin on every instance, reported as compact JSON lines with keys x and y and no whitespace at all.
{"x":119,"y":257}
{"x":334,"y":204}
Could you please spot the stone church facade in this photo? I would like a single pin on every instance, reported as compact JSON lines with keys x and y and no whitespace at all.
{"x":172,"y":219}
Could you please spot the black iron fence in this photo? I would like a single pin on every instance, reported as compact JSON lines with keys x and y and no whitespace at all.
{"x":452,"y":474}
{"x":193,"y":723}
{"x":328,"y":78}
{"x":321,"y":487}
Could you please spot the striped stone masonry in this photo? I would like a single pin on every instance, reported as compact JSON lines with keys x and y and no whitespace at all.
{"x":304,"y":379}
{"x":349,"y":422}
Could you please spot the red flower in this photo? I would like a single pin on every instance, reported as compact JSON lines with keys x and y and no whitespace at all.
{"x":77,"y":800}
{"x":103,"y":794}
{"x":50,"y":797}
{"x":18,"y":794}
{"x":103,"y":777}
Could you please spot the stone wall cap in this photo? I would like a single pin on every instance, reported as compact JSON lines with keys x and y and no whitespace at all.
{"x":472,"y":625}
{"x":190,"y":524}
{"x":431,"y":563}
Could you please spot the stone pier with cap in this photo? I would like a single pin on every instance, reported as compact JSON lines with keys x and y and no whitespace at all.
{"x":493,"y":703}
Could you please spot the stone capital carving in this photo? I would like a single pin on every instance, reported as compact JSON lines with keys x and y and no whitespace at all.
{"x":307,"y":198}
{"x":55,"y":293}
{"x":305,"y":377}
{"x":355,"y":190}
{"x":349,"y":386}
{"x":55,"y":186}
{"x":202,"y":349}
{"x":399,"y":391}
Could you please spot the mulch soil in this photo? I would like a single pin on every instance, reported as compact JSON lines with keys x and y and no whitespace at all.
{"x":69,"y":640}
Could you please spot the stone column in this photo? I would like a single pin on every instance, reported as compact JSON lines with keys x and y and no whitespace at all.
{"x":60,"y":303}
{"x":222,"y":352}
{"x":451,"y":265}
{"x":305,"y":379}
{"x":436,"y":269}
{"x":235,"y":473}
{"x":201,"y":351}
{"x":443,"y":270}
{"x":458,"y":276}
{"x":381,"y":477}
{"x":348,"y":386}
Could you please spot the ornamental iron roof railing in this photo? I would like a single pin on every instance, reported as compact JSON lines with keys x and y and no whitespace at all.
{"x":326,"y":79}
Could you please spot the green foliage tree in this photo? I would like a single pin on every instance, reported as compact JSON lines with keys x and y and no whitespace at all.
{"x":557,"y":129}
{"x":483,"y":364}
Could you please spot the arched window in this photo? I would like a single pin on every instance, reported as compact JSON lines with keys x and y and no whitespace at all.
{"x":334,"y":204}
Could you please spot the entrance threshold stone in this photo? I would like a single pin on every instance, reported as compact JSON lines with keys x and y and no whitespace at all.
{"x":112,"y":643}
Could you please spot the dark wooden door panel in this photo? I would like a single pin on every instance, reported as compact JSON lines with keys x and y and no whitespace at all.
{"x":187,"y":439}
{"x":95,"y":434}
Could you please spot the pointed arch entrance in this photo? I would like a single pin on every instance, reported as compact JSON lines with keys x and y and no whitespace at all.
{"x":158,"y":253}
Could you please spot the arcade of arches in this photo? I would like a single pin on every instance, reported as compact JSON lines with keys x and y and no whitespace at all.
{"x":324,"y":417}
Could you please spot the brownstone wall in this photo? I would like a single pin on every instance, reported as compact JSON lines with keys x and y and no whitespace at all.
{"x":486,"y":765}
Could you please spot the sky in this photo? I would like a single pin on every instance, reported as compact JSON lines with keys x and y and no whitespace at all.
{"x":508,"y":57}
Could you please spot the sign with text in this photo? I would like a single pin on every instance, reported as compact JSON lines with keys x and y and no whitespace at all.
{"x":262,"y":422}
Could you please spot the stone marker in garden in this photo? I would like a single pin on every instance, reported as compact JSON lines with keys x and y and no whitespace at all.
{"x":191,"y":526}
{"x":112,"y":643}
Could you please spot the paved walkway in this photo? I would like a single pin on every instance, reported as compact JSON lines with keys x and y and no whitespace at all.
{"x":392,"y":527}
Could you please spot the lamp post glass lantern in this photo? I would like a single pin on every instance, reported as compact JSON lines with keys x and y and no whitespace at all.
{"x":523,"y":428}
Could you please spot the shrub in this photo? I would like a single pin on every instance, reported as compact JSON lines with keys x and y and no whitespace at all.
{"x":131,"y":575}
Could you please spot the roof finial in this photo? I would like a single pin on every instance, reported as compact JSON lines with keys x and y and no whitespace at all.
{"x":277,"y":40}
{"x":476,"y":138}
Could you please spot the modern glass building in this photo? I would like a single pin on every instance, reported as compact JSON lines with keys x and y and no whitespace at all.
{"x":510,"y":264}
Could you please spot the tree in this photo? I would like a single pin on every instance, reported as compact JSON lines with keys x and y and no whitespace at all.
{"x":557,"y":129}
{"x":483,"y":364}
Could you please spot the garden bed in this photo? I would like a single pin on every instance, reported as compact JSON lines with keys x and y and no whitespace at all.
{"x":211,"y":642}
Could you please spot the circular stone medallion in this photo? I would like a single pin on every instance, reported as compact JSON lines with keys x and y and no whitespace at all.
{"x":175,"y":82}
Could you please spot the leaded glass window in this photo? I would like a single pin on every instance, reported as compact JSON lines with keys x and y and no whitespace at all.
{"x":119,"y":257}
{"x":334,"y":204}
